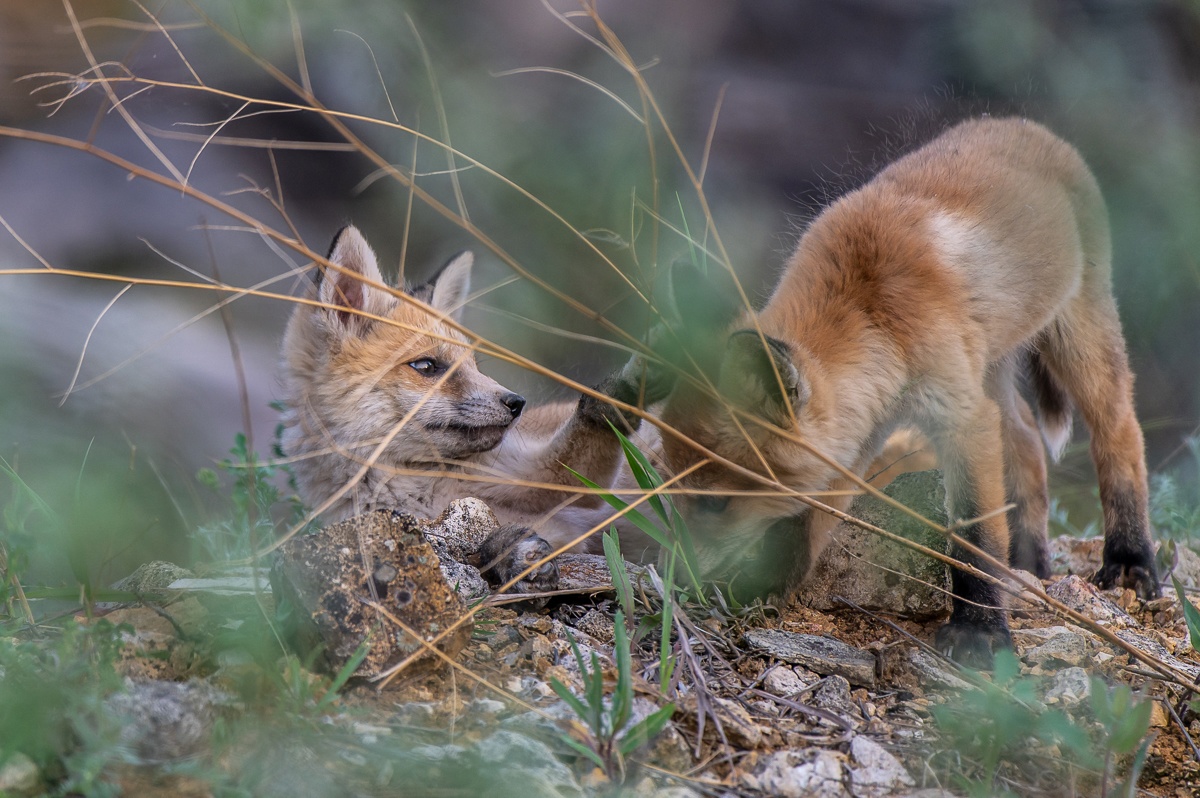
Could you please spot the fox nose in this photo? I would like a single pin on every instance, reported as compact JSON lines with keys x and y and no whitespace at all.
{"x":514,"y":402}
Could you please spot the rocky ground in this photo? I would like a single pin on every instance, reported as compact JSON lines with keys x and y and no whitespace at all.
{"x":834,"y":694}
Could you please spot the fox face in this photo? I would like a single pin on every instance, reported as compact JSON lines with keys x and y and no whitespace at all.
{"x":764,"y":405}
{"x":365,"y":365}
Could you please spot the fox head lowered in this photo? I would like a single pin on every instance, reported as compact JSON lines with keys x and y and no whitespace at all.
{"x":366,"y":365}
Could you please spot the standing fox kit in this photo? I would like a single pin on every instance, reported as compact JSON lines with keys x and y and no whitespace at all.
{"x":366,"y":366}
{"x":923,"y":298}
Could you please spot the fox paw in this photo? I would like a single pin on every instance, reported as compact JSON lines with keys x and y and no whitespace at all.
{"x":972,"y":645}
{"x":509,"y":552}
{"x":1141,"y":578}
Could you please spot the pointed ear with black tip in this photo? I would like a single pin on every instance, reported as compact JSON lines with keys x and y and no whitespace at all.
{"x":763,"y":380}
{"x":446,"y":292}
{"x":346,"y":290}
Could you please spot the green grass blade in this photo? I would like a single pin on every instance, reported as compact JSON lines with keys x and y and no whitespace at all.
{"x":580,"y":748}
{"x":618,"y":571}
{"x":645,"y":730}
{"x":636,"y":518}
{"x":647,"y":477}
{"x":570,"y":699}
{"x":347,"y":670}
{"x":622,"y":702}
{"x":1190,"y":615}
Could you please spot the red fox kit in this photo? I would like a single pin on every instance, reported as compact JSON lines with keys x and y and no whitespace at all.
{"x":351,"y":380}
{"x":922,"y":298}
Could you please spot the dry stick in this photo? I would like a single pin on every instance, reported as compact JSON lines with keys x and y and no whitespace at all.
{"x":334,"y":118}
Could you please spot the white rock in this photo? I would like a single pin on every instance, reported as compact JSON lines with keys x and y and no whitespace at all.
{"x":783,"y":682}
{"x":807,"y":773}
{"x":1069,"y":686}
{"x":19,"y":776}
{"x":875,"y":772}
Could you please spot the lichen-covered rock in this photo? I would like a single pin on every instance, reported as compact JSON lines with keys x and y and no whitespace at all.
{"x":879,"y":574}
{"x":152,"y":577}
{"x":380,"y":557}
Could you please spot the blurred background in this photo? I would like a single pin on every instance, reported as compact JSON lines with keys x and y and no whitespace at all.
{"x":809,"y":98}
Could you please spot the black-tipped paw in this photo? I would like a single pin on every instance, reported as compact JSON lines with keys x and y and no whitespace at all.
{"x":512,"y":550}
{"x":1141,"y":578}
{"x":972,"y":645}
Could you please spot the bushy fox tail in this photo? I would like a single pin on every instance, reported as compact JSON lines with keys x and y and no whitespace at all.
{"x":1054,"y":409}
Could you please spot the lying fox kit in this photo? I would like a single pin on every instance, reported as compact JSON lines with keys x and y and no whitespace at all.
{"x":367,"y":370}
{"x":920,"y":299}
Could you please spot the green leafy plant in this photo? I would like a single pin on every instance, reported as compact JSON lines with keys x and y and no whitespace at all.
{"x":1125,"y":718}
{"x":671,"y":532}
{"x":992,"y":723}
{"x":1174,"y":503}
{"x":257,"y":504}
{"x":53,"y":698}
{"x":608,"y":737}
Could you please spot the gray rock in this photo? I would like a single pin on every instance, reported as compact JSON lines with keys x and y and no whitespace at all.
{"x":853,"y":565}
{"x":933,"y":672}
{"x":590,"y":571}
{"x":1157,"y":650}
{"x":824,"y":655}
{"x":522,"y":760}
{"x":1065,"y":648}
{"x":807,"y":773}
{"x":167,"y":721}
{"x":875,"y":772}
{"x":1069,"y":687}
{"x":329,"y":576}
{"x":1084,"y":597}
{"x":151,"y":577}
{"x":834,"y":695}
{"x":19,"y":776}
{"x":466,"y":580}
{"x":738,"y":725}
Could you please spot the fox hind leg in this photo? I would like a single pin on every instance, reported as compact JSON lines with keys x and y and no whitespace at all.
{"x":1024,"y":476}
{"x":1085,"y":352}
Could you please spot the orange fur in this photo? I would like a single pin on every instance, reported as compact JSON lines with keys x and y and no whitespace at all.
{"x":919,"y":299}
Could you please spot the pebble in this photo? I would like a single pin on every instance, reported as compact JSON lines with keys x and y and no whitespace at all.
{"x":1069,"y":686}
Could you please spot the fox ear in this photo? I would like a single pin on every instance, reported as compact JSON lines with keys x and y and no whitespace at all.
{"x":762,"y":379}
{"x":446,"y":292}
{"x":346,"y":290}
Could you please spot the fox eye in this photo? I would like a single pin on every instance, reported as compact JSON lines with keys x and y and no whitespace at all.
{"x":427,"y":367}
{"x":712,"y":504}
